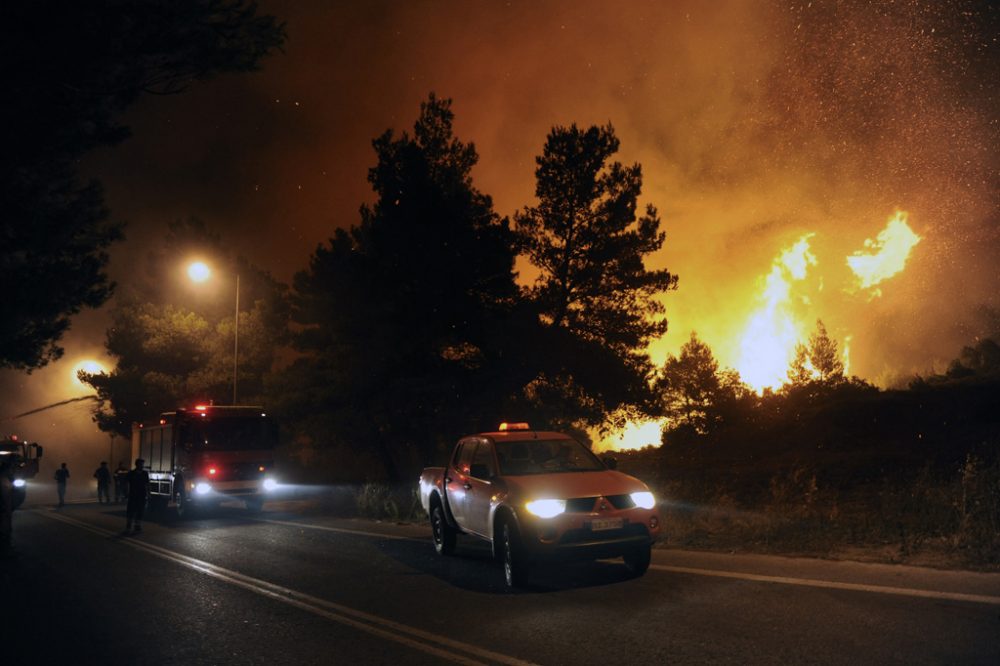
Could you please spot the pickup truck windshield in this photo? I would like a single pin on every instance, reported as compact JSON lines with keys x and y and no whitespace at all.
{"x":545,"y":457}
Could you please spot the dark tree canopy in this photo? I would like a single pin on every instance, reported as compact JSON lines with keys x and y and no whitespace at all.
{"x":979,"y":360}
{"x":586,"y":240}
{"x":402,"y":313}
{"x":173,"y":341}
{"x":594,"y":294}
{"x":693,"y":390}
{"x":70,"y":69}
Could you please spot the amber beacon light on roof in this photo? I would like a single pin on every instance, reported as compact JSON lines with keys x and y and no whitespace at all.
{"x":504,"y":427}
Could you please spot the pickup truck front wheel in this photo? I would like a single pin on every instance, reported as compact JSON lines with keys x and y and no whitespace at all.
{"x":444,"y":534}
{"x":515,"y":567}
{"x":638,"y":562}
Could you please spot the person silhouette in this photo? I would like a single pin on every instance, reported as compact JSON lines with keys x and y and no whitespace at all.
{"x":62,"y":477}
{"x":103,"y":476}
{"x":121,"y":482}
{"x":6,"y":507}
{"x":138,"y":492}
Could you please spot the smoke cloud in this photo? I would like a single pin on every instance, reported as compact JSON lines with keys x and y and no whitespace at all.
{"x":755,"y":123}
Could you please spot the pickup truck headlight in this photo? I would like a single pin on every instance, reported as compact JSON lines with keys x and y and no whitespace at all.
{"x":546,"y":508}
{"x":19,"y":483}
{"x":643,"y":499}
{"x":203,"y":488}
{"x":270,"y":484}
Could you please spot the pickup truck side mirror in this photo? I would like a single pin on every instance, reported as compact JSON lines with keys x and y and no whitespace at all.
{"x":610,"y":462}
{"x":38,"y":451}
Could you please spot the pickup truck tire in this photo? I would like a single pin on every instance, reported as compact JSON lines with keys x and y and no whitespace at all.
{"x":515,"y":566}
{"x":443,"y":533}
{"x":638,"y":562}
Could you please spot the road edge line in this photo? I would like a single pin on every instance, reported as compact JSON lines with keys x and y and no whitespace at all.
{"x":834,"y":585}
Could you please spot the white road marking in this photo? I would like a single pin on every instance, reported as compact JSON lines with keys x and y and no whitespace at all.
{"x":829,"y":584}
{"x":325,"y":528}
{"x":760,"y":578}
{"x":419,"y":639}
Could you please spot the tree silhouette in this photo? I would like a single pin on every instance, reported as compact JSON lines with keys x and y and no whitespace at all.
{"x":694,"y":392}
{"x":173,"y":341}
{"x":981,"y":359}
{"x":817,"y":362}
{"x":405,"y":316}
{"x":593,"y":292}
{"x":70,"y":70}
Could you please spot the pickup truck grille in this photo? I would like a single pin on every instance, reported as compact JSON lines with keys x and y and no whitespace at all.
{"x":586,"y":535}
{"x":589,"y":504}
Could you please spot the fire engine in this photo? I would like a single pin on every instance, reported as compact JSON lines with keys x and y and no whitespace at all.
{"x":200,"y":457}
{"x":24,"y":463}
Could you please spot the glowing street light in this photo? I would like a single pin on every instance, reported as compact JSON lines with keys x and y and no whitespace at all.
{"x":198,"y":271}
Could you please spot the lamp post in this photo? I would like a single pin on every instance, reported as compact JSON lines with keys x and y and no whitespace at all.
{"x":236,"y":336}
{"x":199,"y":272}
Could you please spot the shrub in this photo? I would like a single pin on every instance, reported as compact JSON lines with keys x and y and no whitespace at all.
{"x":380,"y":501}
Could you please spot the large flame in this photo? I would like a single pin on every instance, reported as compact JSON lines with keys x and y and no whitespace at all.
{"x":767,"y":345}
{"x":884,"y":256}
{"x":635,"y":435}
{"x":767,"y":342}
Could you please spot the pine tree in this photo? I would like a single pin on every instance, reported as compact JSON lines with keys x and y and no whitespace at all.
{"x":594,"y":294}
{"x":819,"y":361}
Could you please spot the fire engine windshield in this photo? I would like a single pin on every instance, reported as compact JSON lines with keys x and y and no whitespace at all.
{"x":229,"y":434}
{"x":546,"y":457}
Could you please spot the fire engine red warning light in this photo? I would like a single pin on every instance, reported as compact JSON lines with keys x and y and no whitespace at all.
{"x":212,"y":471}
{"x":514,"y":426}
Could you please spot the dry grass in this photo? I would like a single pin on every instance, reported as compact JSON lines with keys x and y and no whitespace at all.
{"x":953,"y":520}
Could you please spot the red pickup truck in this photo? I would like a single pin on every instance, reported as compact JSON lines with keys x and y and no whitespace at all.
{"x":538,"y":496}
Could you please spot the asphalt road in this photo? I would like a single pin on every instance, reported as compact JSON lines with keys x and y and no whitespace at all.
{"x":290,"y":588}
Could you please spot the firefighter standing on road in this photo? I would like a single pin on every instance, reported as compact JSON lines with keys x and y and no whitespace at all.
{"x":138,"y":492}
{"x":62,"y":476}
{"x":6,"y":508}
{"x":103,"y":476}
{"x":121,"y":482}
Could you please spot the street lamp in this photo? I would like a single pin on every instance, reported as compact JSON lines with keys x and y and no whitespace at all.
{"x":198,"y":271}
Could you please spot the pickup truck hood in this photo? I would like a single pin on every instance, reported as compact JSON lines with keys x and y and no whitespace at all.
{"x":571,"y":484}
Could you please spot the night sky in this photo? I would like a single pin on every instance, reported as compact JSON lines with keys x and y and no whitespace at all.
{"x":755,"y":123}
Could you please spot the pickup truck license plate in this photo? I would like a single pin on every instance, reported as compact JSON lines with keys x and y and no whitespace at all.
{"x":606,"y":524}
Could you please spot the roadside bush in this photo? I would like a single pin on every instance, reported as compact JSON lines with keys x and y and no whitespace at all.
{"x":978,"y":510}
{"x":380,"y":501}
{"x":927,"y":515}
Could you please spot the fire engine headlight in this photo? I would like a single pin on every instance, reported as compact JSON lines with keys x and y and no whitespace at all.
{"x":270,"y":484}
{"x":203,"y":488}
{"x":19,"y":483}
{"x":546,"y":508}
{"x":644,"y":499}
